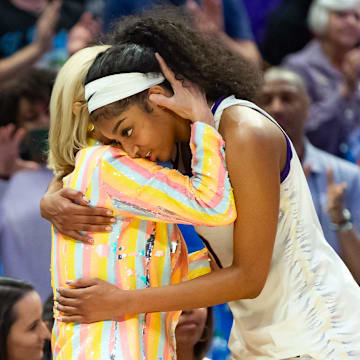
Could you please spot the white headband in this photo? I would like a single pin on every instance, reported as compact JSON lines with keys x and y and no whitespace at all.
{"x":109,"y":89}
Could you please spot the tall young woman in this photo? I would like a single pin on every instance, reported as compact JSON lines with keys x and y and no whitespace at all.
{"x":291,"y":294}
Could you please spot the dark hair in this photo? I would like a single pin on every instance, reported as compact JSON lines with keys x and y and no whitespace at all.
{"x":11,"y":291}
{"x":192,"y":55}
{"x":48,"y":318}
{"x":202,"y":347}
{"x":33,"y":85}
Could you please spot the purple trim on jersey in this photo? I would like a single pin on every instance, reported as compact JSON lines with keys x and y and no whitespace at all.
{"x":285,"y":172}
{"x":216,"y":105}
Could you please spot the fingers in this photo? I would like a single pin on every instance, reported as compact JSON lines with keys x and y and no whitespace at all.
{"x":330,"y":176}
{"x":72,"y":319}
{"x":168,"y":73}
{"x":74,"y":195}
{"x":70,"y":293}
{"x":82,"y":282}
{"x":66,"y":301}
{"x":162,"y":100}
{"x":67,"y":310}
{"x":75,"y":235}
{"x":93,"y":220}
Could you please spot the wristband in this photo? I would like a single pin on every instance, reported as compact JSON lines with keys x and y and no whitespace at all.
{"x":345,"y":225}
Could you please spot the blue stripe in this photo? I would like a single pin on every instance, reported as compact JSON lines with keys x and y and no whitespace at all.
{"x":162,"y":338}
{"x":75,"y":342}
{"x":163,"y":187}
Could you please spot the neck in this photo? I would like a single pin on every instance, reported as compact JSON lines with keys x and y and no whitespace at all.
{"x":183,"y":130}
{"x":335,"y":53}
{"x":185,"y":353}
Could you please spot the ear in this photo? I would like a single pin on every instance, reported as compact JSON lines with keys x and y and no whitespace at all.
{"x":159,"y":93}
{"x":159,"y":90}
{"x":76,"y":107}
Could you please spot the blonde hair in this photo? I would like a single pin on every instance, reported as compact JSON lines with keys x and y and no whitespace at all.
{"x":69,"y":131}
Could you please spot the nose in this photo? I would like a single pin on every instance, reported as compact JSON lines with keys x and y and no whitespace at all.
{"x":131,"y":149}
{"x":187,"y":312}
{"x":275,"y":107}
{"x":44,"y":331}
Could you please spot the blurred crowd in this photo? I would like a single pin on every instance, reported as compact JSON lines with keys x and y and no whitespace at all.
{"x":309,"y":54}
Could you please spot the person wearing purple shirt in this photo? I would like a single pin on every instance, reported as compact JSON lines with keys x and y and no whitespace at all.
{"x":24,"y":234}
{"x":330,"y":67}
{"x":334,"y":183}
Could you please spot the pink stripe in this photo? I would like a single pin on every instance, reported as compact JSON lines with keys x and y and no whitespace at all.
{"x":89,"y":163}
{"x":123,"y":335}
{"x":144,"y":172}
{"x":112,"y":338}
{"x":84,"y":330}
{"x":161,"y":177}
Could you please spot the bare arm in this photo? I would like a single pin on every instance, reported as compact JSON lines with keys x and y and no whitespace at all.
{"x":257,"y":203}
{"x":143,"y":189}
{"x":69,"y":212}
{"x":349,"y":239}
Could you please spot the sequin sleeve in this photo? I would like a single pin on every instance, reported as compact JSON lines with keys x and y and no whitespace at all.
{"x":141,"y":188}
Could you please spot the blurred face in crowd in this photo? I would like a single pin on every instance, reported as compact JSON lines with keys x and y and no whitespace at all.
{"x":287,"y":103}
{"x":28,"y":334}
{"x":32,"y":115}
{"x":344,"y":28}
{"x":147,"y":134}
{"x":190,"y":327}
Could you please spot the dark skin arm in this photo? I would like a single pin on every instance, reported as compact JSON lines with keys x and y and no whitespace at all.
{"x":58,"y":206}
{"x":350,"y":239}
{"x":254,"y":147}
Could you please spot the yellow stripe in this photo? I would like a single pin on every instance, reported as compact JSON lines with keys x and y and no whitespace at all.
{"x":148,"y":193}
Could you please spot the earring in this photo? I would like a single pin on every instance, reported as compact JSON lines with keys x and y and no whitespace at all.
{"x":91,"y":127}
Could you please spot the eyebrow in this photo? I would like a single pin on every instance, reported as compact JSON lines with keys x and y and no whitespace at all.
{"x":117,"y":125}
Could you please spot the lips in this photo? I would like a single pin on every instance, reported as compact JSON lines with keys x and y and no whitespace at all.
{"x":187,"y":324}
{"x":150,"y":156}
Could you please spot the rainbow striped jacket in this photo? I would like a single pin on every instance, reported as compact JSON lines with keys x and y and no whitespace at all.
{"x":145,"y":247}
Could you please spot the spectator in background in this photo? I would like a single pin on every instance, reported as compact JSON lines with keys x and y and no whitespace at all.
{"x":22,"y":330}
{"x":36,"y":31}
{"x":258,"y":12}
{"x":48,"y":318}
{"x":334,"y":183}
{"x":286,"y":30}
{"x":194,"y":334}
{"x":19,"y":47}
{"x":228,"y":18}
{"x":87,"y":30}
{"x":330,"y":67}
{"x":24,"y":245}
{"x":24,"y":103}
